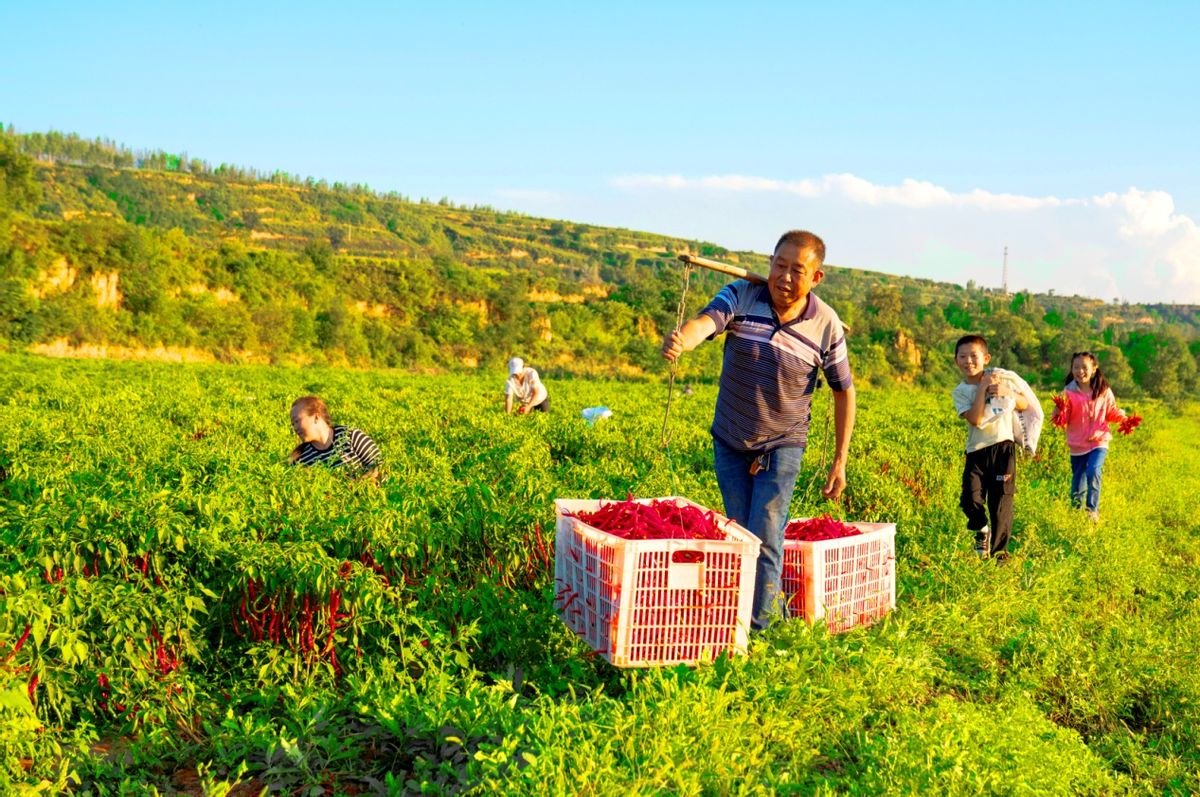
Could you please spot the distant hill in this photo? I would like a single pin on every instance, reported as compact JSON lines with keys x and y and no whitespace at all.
{"x":111,"y":252}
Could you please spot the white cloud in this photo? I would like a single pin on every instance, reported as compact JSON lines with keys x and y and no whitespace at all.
{"x":1130,"y":244}
{"x":1174,"y":239}
{"x":1148,"y":213}
{"x":908,"y":194}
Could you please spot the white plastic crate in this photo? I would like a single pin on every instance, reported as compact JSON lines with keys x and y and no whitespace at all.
{"x":640,"y":603}
{"x":846,"y":582}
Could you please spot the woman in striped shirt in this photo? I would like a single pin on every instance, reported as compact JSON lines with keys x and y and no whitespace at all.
{"x":334,"y":446}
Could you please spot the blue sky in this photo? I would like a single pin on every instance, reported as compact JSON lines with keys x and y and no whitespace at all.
{"x":917,"y":138}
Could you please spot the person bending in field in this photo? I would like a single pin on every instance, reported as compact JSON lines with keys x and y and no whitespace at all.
{"x":1090,"y":408}
{"x":524,"y":389}
{"x":780,"y":337}
{"x":988,"y":403}
{"x":321,"y":442}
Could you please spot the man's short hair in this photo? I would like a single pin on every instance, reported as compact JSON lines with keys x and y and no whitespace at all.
{"x":966,"y":340}
{"x":804,"y":240}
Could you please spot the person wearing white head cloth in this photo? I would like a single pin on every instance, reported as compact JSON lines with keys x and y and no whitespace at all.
{"x":524,"y":389}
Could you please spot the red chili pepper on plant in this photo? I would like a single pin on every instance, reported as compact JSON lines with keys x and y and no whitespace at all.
{"x":20,"y":642}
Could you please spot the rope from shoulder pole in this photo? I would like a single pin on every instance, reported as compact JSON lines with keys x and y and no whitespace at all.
{"x":825,"y":445}
{"x":820,"y":474}
{"x":687,"y":274}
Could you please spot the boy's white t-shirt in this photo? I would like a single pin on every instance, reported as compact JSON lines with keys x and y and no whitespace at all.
{"x":997,"y":417}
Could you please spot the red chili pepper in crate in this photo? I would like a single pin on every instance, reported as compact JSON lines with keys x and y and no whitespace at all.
{"x":656,"y":520}
{"x":818,"y":528}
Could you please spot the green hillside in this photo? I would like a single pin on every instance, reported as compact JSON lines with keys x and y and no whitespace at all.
{"x":109,"y":252}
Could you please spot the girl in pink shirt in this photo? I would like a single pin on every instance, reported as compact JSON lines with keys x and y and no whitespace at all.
{"x":1089,"y":408}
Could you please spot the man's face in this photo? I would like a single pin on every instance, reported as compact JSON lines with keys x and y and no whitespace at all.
{"x":971,"y":358}
{"x":794,"y":272}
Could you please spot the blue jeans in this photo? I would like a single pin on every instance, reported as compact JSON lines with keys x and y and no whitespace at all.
{"x":760,"y":503}
{"x":1085,"y":477}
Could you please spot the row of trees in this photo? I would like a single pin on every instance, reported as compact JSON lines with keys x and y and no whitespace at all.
{"x":70,"y":148}
{"x":1025,"y":335}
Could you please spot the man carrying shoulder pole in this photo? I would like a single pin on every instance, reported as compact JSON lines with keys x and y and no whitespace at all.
{"x":780,"y":338}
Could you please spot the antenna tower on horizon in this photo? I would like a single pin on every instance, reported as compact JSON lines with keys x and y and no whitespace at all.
{"x":1004,"y":275}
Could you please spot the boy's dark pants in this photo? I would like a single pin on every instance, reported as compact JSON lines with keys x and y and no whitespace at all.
{"x":989,"y":481}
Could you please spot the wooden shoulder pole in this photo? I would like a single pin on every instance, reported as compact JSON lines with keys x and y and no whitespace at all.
{"x":724,"y":268}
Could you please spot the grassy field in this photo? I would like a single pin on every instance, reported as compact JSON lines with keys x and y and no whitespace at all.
{"x":177,"y":581}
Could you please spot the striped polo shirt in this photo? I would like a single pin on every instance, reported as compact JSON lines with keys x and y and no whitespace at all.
{"x":770,"y":369}
{"x":350,"y":447}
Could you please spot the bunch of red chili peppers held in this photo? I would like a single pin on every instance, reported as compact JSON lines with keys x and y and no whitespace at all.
{"x":662,"y":519}
{"x":818,"y":528}
{"x":1063,"y":416}
{"x":1064,"y":410}
{"x":1129,"y":424}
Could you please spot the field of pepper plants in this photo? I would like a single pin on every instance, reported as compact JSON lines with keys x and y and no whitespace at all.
{"x":185,"y":613}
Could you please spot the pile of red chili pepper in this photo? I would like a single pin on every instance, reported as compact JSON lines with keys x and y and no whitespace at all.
{"x":818,"y":528}
{"x":662,"y":519}
{"x":1129,"y":424}
{"x":1064,"y":410}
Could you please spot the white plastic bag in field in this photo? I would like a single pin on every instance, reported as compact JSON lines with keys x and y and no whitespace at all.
{"x":593,"y":414}
{"x":1027,"y":426}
